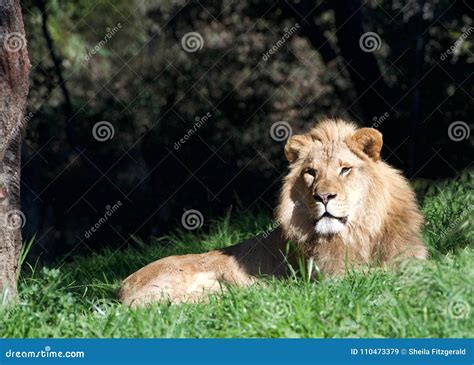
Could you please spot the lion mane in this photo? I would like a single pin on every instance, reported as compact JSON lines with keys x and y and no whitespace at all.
{"x":340,"y":204}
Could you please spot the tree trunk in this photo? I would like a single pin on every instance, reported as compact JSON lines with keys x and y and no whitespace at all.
{"x":14,"y":69}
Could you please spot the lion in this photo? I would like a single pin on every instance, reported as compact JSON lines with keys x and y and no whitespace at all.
{"x":341,"y":206}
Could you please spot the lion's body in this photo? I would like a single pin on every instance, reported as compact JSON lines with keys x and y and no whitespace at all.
{"x":188,"y":277}
{"x":371,"y":218}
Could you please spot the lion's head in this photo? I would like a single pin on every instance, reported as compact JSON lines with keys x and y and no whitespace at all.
{"x":338,"y":186}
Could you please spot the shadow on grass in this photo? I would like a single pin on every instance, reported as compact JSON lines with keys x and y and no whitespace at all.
{"x":447,"y":206}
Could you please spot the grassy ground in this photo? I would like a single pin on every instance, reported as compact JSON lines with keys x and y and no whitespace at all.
{"x":430,"y":299}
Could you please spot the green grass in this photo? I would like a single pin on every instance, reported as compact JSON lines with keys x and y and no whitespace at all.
{"x":423,"y":299}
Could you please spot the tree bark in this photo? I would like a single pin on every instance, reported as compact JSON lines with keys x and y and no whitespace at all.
{"x":14,"y":69}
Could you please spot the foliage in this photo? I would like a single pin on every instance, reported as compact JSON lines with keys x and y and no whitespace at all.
{"x":449,"y":211}
{"x":151,"y":90}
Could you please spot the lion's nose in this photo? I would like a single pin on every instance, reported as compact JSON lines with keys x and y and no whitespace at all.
{"x":324,"y":197}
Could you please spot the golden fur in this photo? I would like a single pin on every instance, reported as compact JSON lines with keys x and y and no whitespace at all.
{"x":340,"y":204}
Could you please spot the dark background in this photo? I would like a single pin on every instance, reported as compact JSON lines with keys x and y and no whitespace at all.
{"x":151,"y":90}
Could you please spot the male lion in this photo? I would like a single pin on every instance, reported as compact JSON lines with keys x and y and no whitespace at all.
{"x":341,"y":206}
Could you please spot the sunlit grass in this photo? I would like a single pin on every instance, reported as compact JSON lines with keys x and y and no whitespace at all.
{"x":422,"y":299}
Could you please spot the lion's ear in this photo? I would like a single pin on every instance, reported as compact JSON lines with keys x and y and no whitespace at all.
{"x":367,"y":140}
{"x":294,"y":146}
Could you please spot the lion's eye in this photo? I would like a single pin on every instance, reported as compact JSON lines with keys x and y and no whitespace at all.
{"x":311,"y":172}
{"x":345,"y":170}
